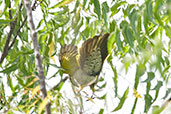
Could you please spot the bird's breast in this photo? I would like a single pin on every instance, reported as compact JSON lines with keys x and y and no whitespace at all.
{"x":80,"y":78}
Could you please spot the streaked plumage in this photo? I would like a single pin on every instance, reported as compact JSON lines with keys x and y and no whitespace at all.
{"x":84,"y":64}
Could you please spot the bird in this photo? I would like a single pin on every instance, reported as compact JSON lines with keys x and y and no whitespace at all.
{"x":84,"y":64}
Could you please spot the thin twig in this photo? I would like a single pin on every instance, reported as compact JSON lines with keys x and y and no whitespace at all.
{"x":18,"y":31}
{"x":57,"y":85}
{"x":38,"y":58}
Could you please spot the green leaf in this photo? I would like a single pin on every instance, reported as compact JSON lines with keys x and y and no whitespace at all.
{"x":105,"y":9}
{"x":112,"y":26}
{"x":9,"y":69}
{"x":150,"y":77}
{"x":140,"y":70}
{"x":115,"y":8}
{"x":115,"y":80}
{"x":76,"y":30}
{"x":101,"y":111}
{"x":118,"y":40}
{"x":7,"y":2}
{"x":122,"y":100}
{"x":84,"y":3}
{"x":3,"y":21}
{"x":128,"y":36}
{"x":97,"y":8}
{"x":61,"y":3}
{"x":168,"y":29}
{"x":148,"y":102}
{"x":158,"y":86}
{"x":149,"y":9}
{"x":10,"y":84}
{"x":133,"y":19}
{"x":111,"y":41}
{"x":167,"y":93}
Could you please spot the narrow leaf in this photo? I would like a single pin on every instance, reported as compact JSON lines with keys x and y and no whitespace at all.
{"x":122,"y":100}
{"x":101,"y":111}
{"x":9,"y":69}
{"x":97,"y":8}
{"x":111,"y":41}
{"x":44,"y":103}
{"x":150,"y":77}
{"x":35,"y":90}
{"x":148,"y":102}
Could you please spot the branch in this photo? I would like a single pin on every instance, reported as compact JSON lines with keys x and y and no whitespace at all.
{"x":7,"y":47}
{"x":18,"y":31}
{"x":38,"y":58}
{"x":12,"y":27}
{"x":63,"y":80}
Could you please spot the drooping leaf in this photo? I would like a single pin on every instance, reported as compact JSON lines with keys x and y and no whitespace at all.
{"x":101,"y":111}
{"x":10,"y":84}
{"x":140,"y":70}
{"x":115,"y":8}
{"x":122,"y":100}
{"x":105,"y":10}
{"x":97,"y":8}
{"x":157,"y":88}
{"x":150,"y":77}
{"x":61,"y":3}
{"x":44,"y":103}
{"x":167,"y":93}
{"x":148,"y":102}
{"x":9,"y":69}
{"x":111,"y":41}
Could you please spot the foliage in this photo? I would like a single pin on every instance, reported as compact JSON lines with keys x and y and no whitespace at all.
{"x":140,"y":39}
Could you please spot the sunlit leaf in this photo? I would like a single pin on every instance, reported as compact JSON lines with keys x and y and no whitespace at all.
{"x":115,"y":8}
{"x":112,"y":26}
{"x":44,"y":103}
{"x":111,"y":41}
{"x":32,"y":82}
{"x":35,"y":90}
{"x":51,"y":50}
{"x":61,"y":3}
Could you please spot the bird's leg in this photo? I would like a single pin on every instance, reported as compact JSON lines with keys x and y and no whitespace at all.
{"x":93,"y":90}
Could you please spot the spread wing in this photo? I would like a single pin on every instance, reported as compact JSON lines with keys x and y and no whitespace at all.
{"x":67,"y":58}
{"x":93,"y":53}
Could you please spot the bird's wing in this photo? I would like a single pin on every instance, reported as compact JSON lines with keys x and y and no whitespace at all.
{"x":67,"y":58}
{"x":93,"y":53}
